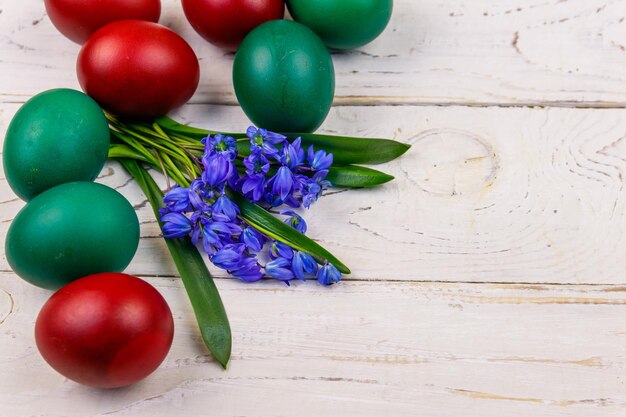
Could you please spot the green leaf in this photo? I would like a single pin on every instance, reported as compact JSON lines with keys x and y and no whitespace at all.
{"x":356,"y":176}
{"x":346,"y":150}
{"x":198,"y":282}
{"x":269,"y":225}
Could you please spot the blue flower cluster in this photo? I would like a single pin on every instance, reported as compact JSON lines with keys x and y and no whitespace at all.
{"x":289,"y":185}
{"x":204,"y":211}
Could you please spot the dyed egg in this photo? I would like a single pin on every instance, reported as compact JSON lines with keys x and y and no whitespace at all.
{"x":138,"y":69}
{"x":343,"y":24}
{"x":106,"y":330}
{"x":283,"y":77}
{"x":57,"y":136}
{"x":78,"y":20}
{"x":226,"y":23}
{"x":70,"y":231}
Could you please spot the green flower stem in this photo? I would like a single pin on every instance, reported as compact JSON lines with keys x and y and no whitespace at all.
{"x":156,"y":150}
{"x":135,"y":146}
{"x":121,"y":150}
{"x":168,"y":166}
{"x":157,"y":143}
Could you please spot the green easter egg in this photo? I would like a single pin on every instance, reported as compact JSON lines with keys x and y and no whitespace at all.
{"x":57,"y":136}
{"x":343,"y":24}
{"x":284,"y":78}
{"x":70,"y":231}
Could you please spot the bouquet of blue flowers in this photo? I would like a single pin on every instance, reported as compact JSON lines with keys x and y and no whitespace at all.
{"x":204,"y":211}
{"x":227,"y":187}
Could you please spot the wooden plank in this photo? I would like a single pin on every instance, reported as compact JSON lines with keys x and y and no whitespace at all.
{"x":442,"y":51}
{"x":355,"y":349}
{"x":485,"y":194}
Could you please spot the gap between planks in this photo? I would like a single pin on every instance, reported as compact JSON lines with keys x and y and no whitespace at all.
{"x":530,"y":284}
{"x":370,"y":101}
{"x":387,"y":101}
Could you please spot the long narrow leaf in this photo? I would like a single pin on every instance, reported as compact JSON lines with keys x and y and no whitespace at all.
{"x":349,"y":150}
{"x":269,"y":225}
{"x":346,"y":150}
{"x":353,"y":176}
{"x":198,"y":282}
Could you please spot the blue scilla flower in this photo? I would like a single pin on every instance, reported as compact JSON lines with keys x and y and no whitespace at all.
{"x":295,"y":220}
{"x":256,"y":163}
{"x":213,"y":230}
{"x":217,"y":168}
{"x":249,"y":270}
{"x":198,"y":193}
{"x":319,"y":160}
{"x":291,"y":155}
{"x":221,"y":144}
{"x":217,"y":160}
{"x":224,"y":205}
{"x":312,"y":188}
{"x":280,"y":250}
{"x":204,"y":212}
{"x":279,"y":268}
{"x":175,"y":225}
{"x":303,"y":265}
{"x":264,"y":141}
{"x":311,"y":195}
{"x":214,"y":236}
{"x":283,"y":182}
{"x":177,"y":199}
{"x":229,"y":257}
{"x":275,"y":200}
{"x":252,"y":186}
{"x":328,"y":275}
{"x":252,"y":239}
{"x":288,"y":185}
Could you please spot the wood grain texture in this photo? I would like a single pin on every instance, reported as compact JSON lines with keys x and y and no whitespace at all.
{"x":360,"y":348}
{"x":511,"y":52}
{"x":484,"y":195}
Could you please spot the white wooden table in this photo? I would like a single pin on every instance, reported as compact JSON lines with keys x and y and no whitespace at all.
{"x":489,"y":277}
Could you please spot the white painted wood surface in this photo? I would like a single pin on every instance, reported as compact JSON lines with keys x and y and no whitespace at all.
{"x":434,"y":51}
{"x":358,"y":349}
{"x":489,"y":277}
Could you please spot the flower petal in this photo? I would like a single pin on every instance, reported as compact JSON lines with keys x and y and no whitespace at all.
{"x":175,"y":225}
{"x":226,"y":258}
{"x":280,"y":269}
{"x":225,"y":206}
{"x":283,"y":182}
{"x":295,"y":220}
{"x":328,"y":275}
{"x":253,"y":239}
